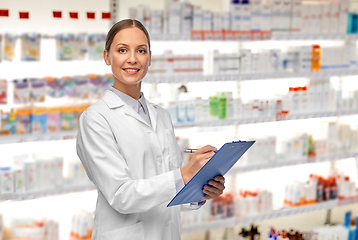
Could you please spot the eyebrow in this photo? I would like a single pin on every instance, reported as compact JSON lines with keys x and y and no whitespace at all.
{"x":145,"y":45}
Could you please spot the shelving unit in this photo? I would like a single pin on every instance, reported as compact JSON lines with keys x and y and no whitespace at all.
{"x":46,"y":193}
{"x":60,"y":68}
{"x":230,"y":222}
{"x":5,"y":139}
{"x":284,"y":163}
{"x":228,"y":122}
{"x":65,"y":135}
{"x":274,"y":36}
{"x":97,"y":67}
{"x":224,"y":223}
{"x":248,"y":77}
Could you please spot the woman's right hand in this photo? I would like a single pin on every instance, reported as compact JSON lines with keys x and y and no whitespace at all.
{"x":198,"y":160}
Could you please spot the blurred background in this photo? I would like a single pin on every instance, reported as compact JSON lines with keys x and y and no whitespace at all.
{"x":280,"y":72}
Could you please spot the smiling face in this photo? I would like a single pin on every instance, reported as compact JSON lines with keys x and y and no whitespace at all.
{"x":129,"y":57}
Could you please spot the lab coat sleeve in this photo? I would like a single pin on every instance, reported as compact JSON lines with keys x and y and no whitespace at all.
{"x":179,"y":181}
{"x":107,"y":169}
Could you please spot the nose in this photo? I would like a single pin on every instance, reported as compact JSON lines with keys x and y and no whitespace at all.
{"x":132,"y":58}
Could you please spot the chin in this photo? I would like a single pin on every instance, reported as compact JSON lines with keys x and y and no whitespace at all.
{"x":131,"y":81}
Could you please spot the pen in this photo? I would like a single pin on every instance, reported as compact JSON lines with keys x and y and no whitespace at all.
{"x":190,"y":150}
{"x":193,"y":151}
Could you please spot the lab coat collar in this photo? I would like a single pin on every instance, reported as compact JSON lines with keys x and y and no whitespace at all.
{"x":153,"y":113}
{"x":113,"y":101}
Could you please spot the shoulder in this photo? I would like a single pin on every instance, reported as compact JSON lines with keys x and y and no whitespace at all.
{"x":97,"y":110}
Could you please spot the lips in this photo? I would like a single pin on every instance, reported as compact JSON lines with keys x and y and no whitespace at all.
{"x":131,"y":70}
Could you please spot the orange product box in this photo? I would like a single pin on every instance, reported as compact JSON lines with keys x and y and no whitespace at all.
{"x":68,"y":120}
{"x":23,"y":121}
{"x":53,"y":120}
{"x":7,"y":122}
{"x":39,"y":120}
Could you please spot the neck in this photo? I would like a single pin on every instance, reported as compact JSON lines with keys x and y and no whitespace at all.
{"x":131,"y":90}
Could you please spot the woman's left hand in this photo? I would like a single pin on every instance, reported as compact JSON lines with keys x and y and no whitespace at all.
{"x":214,"y":188}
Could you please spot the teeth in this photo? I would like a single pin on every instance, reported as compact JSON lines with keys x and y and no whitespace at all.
{"x":131,"y":70}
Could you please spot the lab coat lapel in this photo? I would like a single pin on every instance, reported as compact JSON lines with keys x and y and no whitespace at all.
{"x":130,"y":111}
{"x":113,"y":101}
{"x":153,"y":114}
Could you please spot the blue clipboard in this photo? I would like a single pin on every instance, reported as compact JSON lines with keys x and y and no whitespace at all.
{"x":219,"y":164}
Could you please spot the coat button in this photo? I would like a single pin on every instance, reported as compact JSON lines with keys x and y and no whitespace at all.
{"x":159,"y":159}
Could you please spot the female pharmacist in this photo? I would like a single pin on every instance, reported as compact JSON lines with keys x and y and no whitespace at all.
{"x":129,"y":150}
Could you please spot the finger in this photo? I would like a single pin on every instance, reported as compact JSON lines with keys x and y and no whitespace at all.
{"x":207,"y":148}
{"x":212,"y":190}
{"x":211,"y":194}
{"x":208,"y":194}
{"x":208,"y":155}
{"x":217,"y":185}
{"x":206,"y":197}
{"x":220,"y":179}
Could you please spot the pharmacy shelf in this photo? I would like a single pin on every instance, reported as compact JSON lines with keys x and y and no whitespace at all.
{"x":40,"y":194}
{"x":283,"y":163}
{"x":348,"y":201}
{"x":312,"y":36}
{"x":289,"y":211}
{"x":246,"y":77}
{"x":7,"y":139}
{"x":227,"y":122}
{"x":274,"y":36}
{"x":73,"y":68}
{"x":4,"y":139}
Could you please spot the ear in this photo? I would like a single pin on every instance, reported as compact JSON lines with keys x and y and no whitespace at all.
{"x":106,"y":57}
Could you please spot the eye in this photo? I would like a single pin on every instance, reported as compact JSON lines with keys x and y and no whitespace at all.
{"x":122,"y":50}
{"x":142,"y":51}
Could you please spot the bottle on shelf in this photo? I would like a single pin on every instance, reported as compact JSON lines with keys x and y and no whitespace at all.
{"x":316,"y":58}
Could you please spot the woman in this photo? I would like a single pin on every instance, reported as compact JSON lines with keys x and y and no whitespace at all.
{"x":128,"y":148}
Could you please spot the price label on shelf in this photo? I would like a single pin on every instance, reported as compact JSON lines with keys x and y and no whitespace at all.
{"x":218,"y":36}
{"x":208,"y":36}
{"x":196,"y":36}
{"x":246,"y":37}
{"x":266,"y":36}
{"x":256,"y":36}
{"x":228,"y":36}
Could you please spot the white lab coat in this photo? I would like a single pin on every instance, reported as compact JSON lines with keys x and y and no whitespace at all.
{"x":131,"y":164}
